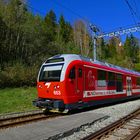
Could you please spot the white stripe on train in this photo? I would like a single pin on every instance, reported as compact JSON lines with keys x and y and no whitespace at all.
{"x":95,"y":93}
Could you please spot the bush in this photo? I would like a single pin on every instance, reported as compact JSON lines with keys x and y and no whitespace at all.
{"x":137,"y":67}
{"x":18,"y":75}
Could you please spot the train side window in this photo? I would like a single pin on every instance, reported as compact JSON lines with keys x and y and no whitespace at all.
{"x":79,"y":72}
{"x":101,"y":78}
{"x":111,"y":79}
{"x":119,"y":82}
{"x":72,"y":73}
{"x":138,"y":81}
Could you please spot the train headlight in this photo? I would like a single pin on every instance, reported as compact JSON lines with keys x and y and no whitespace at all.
{"x":56,"y":87}
{"x":39,"y":86}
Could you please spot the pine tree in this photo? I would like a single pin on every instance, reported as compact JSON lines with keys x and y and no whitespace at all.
{"x":51,"y":25}
{"x":65,"y":32}
{"x":132,"y":48}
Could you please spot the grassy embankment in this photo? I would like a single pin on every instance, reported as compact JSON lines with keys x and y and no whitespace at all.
{"x":17,"y":99}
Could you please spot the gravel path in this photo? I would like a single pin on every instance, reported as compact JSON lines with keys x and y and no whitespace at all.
{"x":114,"y":113}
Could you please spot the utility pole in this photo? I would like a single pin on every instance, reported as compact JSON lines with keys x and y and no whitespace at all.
{"x":121,"y":31}
{"x":95,"y":30}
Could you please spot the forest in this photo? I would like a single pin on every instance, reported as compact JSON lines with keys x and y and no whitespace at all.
{"x":26,"y":40}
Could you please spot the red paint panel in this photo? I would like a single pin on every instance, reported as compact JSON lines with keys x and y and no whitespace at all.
{"x":51,"y":90}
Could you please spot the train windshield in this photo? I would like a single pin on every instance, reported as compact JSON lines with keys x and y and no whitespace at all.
{"x":50,"y":73}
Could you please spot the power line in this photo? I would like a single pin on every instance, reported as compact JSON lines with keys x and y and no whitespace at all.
{"x":29,"y":6}
{"x":137,"y":10}
{"x":73,"y":12}
{"x":68,"y":9}
{"x":133,"y":13}
{"x":60,"y":5}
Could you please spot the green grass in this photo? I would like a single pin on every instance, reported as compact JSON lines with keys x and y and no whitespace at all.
{"x":17,"y":99}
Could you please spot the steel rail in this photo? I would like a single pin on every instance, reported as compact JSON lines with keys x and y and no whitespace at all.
{"x":134,"y":135}
{"x":22,"y":119}
{"x":107,"y":130}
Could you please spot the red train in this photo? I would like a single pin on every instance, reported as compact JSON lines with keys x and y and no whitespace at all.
{"x":70,"y":81}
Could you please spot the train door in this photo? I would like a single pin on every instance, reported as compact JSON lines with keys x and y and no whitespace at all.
{"x":128,"y":86}
{"x":79,"y":81}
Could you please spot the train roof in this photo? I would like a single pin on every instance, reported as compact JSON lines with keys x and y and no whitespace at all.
{"x":71,"y":57}
{"x":117,"y":67}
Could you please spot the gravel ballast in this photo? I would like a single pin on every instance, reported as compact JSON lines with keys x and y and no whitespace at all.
{"x":114,"y":113}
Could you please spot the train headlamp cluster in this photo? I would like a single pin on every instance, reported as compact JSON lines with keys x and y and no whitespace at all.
{"x":56,"y":87}
{"x":40,"y":86}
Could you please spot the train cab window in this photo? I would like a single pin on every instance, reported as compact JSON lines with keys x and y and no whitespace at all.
{"x":72,"y":73}
{"x":79,"y":72}
{"x":101,"y":78}
{"x":119,"y":83}
{"x":111,"y":79}
{"x":50,"y":73}
{"x":138,"y":81}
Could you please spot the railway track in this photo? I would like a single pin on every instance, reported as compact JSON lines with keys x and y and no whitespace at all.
{"x":20,"y":119}
{"x":127,"y":128}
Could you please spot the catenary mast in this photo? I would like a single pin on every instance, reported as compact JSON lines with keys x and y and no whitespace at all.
{"x":121,"y":31}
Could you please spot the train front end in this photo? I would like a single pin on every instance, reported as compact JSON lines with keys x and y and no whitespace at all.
{"x":50,"y":85}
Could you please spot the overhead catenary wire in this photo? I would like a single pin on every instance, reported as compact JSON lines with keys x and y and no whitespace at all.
{"x":68,"y":9}
{"x":85,"y":20}
{"x":60,"y":5}
{"x":29,"y":6}
{"x":132,"y":11}
{"x":136,"y":9}
{"x":135,"y":3}
{"x":75,"y":13}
